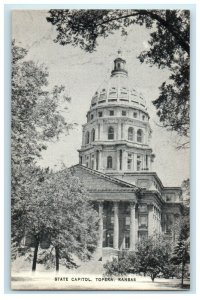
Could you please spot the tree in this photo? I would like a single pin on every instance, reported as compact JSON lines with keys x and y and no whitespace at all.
{"x":153,"y":256}
{"x":59,"y":213}
{"x":36,"y":116}
{"x":169,"y":47}
{"x":36,"y":119}
{"x":181,"y":251}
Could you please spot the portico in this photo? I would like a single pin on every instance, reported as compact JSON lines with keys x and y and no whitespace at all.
{"x":111,"y":215}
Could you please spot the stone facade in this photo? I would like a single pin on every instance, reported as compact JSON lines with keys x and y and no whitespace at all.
{"x":115,"y":165}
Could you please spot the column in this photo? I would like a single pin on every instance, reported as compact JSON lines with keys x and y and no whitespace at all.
{"x":135,"y":161}
{"x":119,"y":131}
{"x":150,"y":220}
{"x":100,"y":160}
{"x":132,"y":226}
{"x":100,"y":241}
{"x":99,"y":133}
{"x":116,"y":226}
{"x":144,"y":161}
{"x":83,"y":137}
{"x":122,"y":131}
{"x":124,"y":160}
{"x":117,"y":160}
{"x":95,"y":160}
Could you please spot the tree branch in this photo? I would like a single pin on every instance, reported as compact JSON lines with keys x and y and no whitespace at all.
{"x":185,"y":45}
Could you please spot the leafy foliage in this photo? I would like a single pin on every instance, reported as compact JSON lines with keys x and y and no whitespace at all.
{"x":35,"y":111}
{"x":181,"y":251}
{"x":186,"y":192}
{"x":47,"y":207}
{"x":152,"y":257}
{"x":58,"y":211}
{"x":126,"y":263}
{"x":35,"y":119}
{"x":169,"y":47}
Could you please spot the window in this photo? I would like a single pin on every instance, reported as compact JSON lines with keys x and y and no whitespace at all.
{"x":127,"y":221}
{"x":139,"y":136}
{"x":109,"y":162}
{"x":91,"y":117}
{"x":108,"y":240}
{"x":120,"y":159}
{"x":100,"y":114}
{"x":143,"y":221}
{"x":129,"y":163}
{"x":135,"y":115}
{"x":111,"y":133}
{"x":147,"y":162}
{"x":123,"y":113}
{"x":93,"y":135}
{"x":168,"y":198}
{"x":143,"y":117}
{"x":130,"y":134}
{"x":111,"y":112}
{"x":87,"y":138}
{"x":93,"y":164}
{"x":139,"y":163}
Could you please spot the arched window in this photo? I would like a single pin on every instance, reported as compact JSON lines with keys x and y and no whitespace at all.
{"x":110,"y":133}
{"x":93,"y":135}
{"x":139,"y":136}
{"x":87,"y":137}
{"x":109,"y":162}
{"x":130,"y":134}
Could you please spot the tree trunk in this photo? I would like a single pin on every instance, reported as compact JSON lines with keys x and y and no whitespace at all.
{"x":57,"y":258}
{"x":153,"y":277}
{"x":182,"y":274}
{"x":35,"y":256}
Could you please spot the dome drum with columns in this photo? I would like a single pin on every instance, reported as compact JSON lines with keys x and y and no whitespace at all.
{"x":115,"y":166}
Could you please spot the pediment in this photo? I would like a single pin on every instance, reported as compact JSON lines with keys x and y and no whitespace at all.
{"x":94,"y":180}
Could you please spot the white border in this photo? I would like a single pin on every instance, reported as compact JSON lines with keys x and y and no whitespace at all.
{"x":87,"y":295}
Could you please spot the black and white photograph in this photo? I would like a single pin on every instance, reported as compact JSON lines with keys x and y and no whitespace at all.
{"x":100,"y":149}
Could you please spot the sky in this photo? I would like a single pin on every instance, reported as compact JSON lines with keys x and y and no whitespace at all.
{"x":82,"y":73}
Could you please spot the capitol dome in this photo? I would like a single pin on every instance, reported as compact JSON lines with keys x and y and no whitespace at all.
{"x":118,"y":89}
{"x":117,"y":132}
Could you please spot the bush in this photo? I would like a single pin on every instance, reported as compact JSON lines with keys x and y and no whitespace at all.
{"x":124,"y":264}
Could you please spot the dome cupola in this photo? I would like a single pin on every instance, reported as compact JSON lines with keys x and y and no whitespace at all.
{"x":119,"y":65}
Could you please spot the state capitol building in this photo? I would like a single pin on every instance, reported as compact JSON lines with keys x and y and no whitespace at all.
{"x":115,"y":165}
